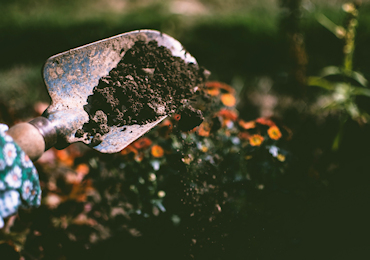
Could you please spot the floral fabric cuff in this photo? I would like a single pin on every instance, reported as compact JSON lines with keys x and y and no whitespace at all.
{"x":19,"y":181}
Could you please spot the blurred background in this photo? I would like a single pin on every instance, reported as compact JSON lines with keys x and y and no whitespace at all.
{"x":303,"y":64}
{"x":237,"y":40}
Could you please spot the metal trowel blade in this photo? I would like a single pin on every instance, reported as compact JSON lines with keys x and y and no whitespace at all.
{"x":71,"y":76}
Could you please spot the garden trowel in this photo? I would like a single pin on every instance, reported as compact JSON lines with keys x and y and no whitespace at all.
{"x":70,"y":78}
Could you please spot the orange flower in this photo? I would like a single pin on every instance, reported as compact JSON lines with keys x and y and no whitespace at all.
{"x":244,"y":135}
{"x":204,"y":129}
{"x":157,"y":151}
{"x":177,"y":117}
{"x":82,"y":169}
{"x":274,"y":132}
{"x":265,"y":121}
{"x":247,"y":125}
{"x":80,"y":191}
{"x":228,"y":114}
{"x":64,"y":157}
{"x":213,"y":84}
{"x":165,"y":128}
{"x":142,"y":143}
{"x":193,"y":130}
{"x":213,"y":91}
{"x":129,"y":149}
{"x":228,"y":99}
{"x":255,"y":140}
{"x":219,"y":85}
{"x":167,"y":123}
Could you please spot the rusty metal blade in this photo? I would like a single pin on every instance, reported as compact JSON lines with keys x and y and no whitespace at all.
{"x":71,"y":76}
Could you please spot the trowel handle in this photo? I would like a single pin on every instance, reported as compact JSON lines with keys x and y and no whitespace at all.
{"x":34,"y":137}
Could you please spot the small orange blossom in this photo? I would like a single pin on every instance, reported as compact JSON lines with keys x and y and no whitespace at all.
{"x":177,"y":117}
{"x":157,"y":151}
{"x":204,"y":129}
{"x":213,"y":91}
{"x":129,"y":149}
{"x":64,"y":157}
{"x":228,"y":114}
{"x":228,"y":99}
{"x":265,"y":121}
{"x":82,"y":169}
{"x":219,"y":85}
{"x":142,"y":143}
{"x":274,"y":132}
{"x":256,"y":140}
{"x":247,"y":125}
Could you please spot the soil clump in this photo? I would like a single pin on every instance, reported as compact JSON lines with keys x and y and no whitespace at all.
{"x":148,"y":82}
{"x":190,"y":118}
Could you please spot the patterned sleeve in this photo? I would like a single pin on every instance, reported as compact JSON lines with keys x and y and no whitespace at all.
{"x":19,"y":181}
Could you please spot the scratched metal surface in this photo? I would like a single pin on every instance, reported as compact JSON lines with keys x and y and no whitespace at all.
{"x":71,"y":76}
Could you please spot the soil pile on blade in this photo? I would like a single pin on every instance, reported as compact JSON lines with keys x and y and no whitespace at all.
{"x":147,"y":83}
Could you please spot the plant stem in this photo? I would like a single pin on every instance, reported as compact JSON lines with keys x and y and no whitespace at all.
{"x":349,"y":37}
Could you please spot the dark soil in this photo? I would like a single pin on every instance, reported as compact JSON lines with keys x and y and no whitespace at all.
{"x":190,"y":118}
{"x":147,"y":83}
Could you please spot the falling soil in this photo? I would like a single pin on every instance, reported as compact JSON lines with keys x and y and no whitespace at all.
{"x":190,"y":118}
{"x":148,"y":82}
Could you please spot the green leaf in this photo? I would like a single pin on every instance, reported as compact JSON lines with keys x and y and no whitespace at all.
{"x":361,"y":91}
{"x":330,"y":71}
{"x":320,"y":82}
{"x":353,"y":110}
{"x":339,"y":136}
{"x":336,"y":71}
{"x":359,"y":78}
{"x":337,"y":30}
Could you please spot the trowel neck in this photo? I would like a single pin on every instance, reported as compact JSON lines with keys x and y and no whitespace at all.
{"x":47,"y":130}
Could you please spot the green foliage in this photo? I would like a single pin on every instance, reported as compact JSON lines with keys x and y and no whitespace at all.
{"x":343,"y":83}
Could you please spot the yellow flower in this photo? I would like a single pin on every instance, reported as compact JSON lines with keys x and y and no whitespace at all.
{"x":281,"y":157}
{"x":204,"y":149}
{"x":256,"y":140}
{"x":187,"y":159}
{"x":274,"y":132}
